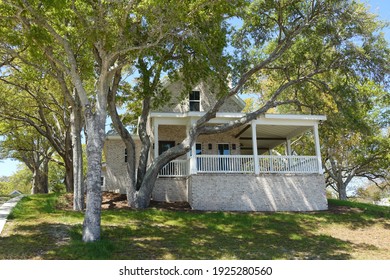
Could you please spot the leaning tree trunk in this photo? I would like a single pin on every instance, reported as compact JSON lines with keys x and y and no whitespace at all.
{"x":95,"y":125}
{"x":143,"y":195}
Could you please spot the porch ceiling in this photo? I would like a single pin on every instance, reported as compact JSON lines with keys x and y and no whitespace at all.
{"x":269,"y":136}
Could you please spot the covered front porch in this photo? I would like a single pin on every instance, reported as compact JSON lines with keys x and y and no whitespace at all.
{"x":261,"y":147}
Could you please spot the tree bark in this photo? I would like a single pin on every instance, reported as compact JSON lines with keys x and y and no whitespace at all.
{"x":145,"y":140}
{"x":40,"y":183}
{"x":342,"y":190}
{"x":143,"y":195}
{"x":77,"y":154}
{"x":131,"y":190}
{"x":95,"y":125}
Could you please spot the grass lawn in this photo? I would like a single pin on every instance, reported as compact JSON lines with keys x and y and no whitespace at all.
{"x":40,"y":228}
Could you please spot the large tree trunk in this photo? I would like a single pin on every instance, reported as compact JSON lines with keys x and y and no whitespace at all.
{"x":69,"y":176}
{"x":68,"y":160}
{"x":145,"y":140}
{"x":131,"y":189}
{"x":95,"y":125}
{"x":40,"y":183}
{"x":342,"y":190}
{"x":77,"y":153}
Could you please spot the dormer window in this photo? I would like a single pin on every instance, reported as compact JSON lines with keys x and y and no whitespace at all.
{"x":195,"y":101}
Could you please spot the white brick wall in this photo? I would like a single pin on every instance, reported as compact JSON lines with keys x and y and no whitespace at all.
{"x":171,"y":190}
{"x":266,"y":192}
{"x":116,"y":178}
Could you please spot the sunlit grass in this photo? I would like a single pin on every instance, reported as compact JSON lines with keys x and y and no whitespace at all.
{"x":39,"y":228}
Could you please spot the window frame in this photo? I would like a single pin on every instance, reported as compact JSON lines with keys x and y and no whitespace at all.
{"x":194,"y":103}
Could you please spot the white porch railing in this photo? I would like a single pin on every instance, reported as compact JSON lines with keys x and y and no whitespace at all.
{"x":288,"y":164}
{"x":175,"y":168}
{"x":224,"y":164}
{"x":241,"y":164}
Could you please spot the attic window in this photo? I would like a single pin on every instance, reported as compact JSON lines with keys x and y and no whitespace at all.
{"x":195,"y":101}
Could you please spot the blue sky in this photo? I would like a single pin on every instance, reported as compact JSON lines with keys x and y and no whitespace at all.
{"x":380,"y":7}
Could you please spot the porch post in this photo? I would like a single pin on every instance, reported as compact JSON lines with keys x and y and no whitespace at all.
{"x":288,"y":148}
{"x":193,"y":168}
{"x":155,"y":140}
{"x":254,"y":144}
{"x":317,"y":147}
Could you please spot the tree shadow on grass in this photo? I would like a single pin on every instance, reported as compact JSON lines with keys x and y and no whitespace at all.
{"x":33,"y":241}
{"x":218,"y":236}
{"x":156,"y":234}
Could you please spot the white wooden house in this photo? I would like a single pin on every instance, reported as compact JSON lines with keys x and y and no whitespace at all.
{"x":236,"y":170}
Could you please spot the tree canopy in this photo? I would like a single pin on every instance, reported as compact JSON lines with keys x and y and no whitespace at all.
{"x":310,"y":55}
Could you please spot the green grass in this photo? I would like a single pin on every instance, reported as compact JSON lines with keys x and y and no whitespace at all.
{"x":369,"y":209}
{"x":40,"y":229}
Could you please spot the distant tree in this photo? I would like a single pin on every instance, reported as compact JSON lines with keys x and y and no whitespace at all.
{"x":373,"y":192}
{"x":46,"y":104}
{"x":20,"y":180}
{"x":33,"y":150}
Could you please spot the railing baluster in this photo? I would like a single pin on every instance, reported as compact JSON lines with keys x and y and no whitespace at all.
{"x":241,"y":164}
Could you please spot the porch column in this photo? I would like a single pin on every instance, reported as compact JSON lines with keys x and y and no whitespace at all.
{"x":317,"y":148}
{"x":254,"y":144}
{"x":193,"y":168}
{"x":155,"y":133}
{"x":288,"y":150}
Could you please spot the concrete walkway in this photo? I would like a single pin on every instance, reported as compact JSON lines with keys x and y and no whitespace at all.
{"x":6,"y":209}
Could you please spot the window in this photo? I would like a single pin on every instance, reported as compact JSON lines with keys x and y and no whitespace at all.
{"x":102,"y":181}
{"x":198,"y":148}
{"x":223,"y":164}
{"x":223,"y":149}
{"x":195,"y":101}
{"x":125,"y":155}
{"x":164,"y":146}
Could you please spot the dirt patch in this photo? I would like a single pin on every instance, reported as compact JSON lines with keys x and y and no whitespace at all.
{"x":112,"y":200}
{"x":343,"y":209}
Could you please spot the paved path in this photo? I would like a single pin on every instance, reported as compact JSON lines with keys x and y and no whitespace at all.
{"x":6,"y":208}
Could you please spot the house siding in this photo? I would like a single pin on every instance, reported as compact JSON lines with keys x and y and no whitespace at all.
{"x":116,"y":176}
{"x":178,"y":102}
{"x":265,"y":192}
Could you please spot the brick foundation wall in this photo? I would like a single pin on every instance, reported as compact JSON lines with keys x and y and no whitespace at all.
{"x":170,"y":190}
{"x":266,"y":192}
